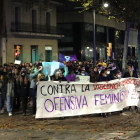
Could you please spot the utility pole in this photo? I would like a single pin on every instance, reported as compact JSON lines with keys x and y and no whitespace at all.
{"x":94,"y":39}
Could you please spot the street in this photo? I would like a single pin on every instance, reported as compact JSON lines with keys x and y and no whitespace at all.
{"x":89,"y":127}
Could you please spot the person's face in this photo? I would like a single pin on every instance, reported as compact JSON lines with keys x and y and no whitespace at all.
{"x":129,"y":68}
{"x":118,"y":74}
{"x":60,"y":75}
{"x":95,"y":69}
{"x":1,"y":77}
{"x":104,"y":73}
{"x":82,"y":72}
{"x":42,"y":76}
{"x":4,"y":69}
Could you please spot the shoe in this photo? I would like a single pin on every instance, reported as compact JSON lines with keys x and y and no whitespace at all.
{"x":10,"y":114}
{"x":105,"y":116}
{"x":24,"y":114}
{"x":2,"y":111}
{"x":61,"y":118}
{"x":123,"y":114}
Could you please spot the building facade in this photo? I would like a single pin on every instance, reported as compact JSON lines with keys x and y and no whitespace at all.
{"x":31,"y":32}
{"x":78,"y":28}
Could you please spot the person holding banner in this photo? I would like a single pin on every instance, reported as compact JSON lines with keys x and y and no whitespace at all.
{"x":131,"y":73}
{"x":32,"y":91}
{"x":94,"y":75}
{"x":61,"y":77}
{"x":24,"y":90}
{"x":103,"y":77}
{"x":118,"y":75}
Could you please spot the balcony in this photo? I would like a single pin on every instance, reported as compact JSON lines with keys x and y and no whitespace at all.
{"x":35,"y":29}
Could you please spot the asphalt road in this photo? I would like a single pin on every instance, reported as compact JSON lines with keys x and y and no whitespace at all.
{"x":89,"y":127}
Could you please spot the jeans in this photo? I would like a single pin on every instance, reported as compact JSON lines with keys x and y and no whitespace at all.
{"x":9,"y":104}
{"x":33,"y":93}
{"x":16,"y":103}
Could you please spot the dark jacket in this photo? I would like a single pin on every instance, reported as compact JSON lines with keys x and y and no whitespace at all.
{"x":62,"y":79}
{"x":24,"y":89}
{"x":15,"y":85}
{"x":127,"y":74}
{"x":4,"y":88}
{"x":102,"y":78}
{"x":93,"y":78}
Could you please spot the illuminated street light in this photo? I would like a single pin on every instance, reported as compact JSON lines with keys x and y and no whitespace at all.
{"x":106,"y":5}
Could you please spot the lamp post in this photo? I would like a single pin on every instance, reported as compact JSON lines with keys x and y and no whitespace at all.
{"x":94,"y":32}
{"x":94,"y":39}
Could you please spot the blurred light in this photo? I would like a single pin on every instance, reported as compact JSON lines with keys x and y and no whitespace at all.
{"x":100,"y":49}
{"x":87,"y":47}
{"x":106,"y":5}
{"x":90,"y":50}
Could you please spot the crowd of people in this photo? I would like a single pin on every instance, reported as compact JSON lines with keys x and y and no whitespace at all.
{"x":18,"y":83}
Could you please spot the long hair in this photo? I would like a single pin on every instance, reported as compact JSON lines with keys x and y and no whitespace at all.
{"x":38,"y":77}
{"x":102,"y":72}
{"x":94,"y":74}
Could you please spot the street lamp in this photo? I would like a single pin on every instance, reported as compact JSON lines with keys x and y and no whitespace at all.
{"x":106,"y":5}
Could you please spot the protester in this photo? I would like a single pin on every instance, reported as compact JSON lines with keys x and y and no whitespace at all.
{"x":16,"y":102}
{"x":61,"y":77}
{"x":103,"y":77}
{"x":32,"y":91}
{"x":24,"y":90}
{"x":94,"y":75}
{"x":17,"y":81}
{"x":10,"y":95}
{"x":131,"y":73}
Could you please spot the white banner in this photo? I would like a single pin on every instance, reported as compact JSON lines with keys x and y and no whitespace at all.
{"x":80,"y":78}
{"x":56,"y":99}
{"x":17,"y":62}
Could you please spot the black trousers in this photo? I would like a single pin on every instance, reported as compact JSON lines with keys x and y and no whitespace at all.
{"x":135,"y":107}
{"x":16,"y":104}
{"x":24,"y":104}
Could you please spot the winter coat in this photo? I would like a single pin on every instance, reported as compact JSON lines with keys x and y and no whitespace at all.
{"x":4,"y":88}
{"x":102,"y":78}
{"x":24,"y":89}
{"x":127,"y":74}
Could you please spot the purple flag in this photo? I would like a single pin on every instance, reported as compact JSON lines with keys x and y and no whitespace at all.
{"x":67,"y":58}
{"x":71,"y":77}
